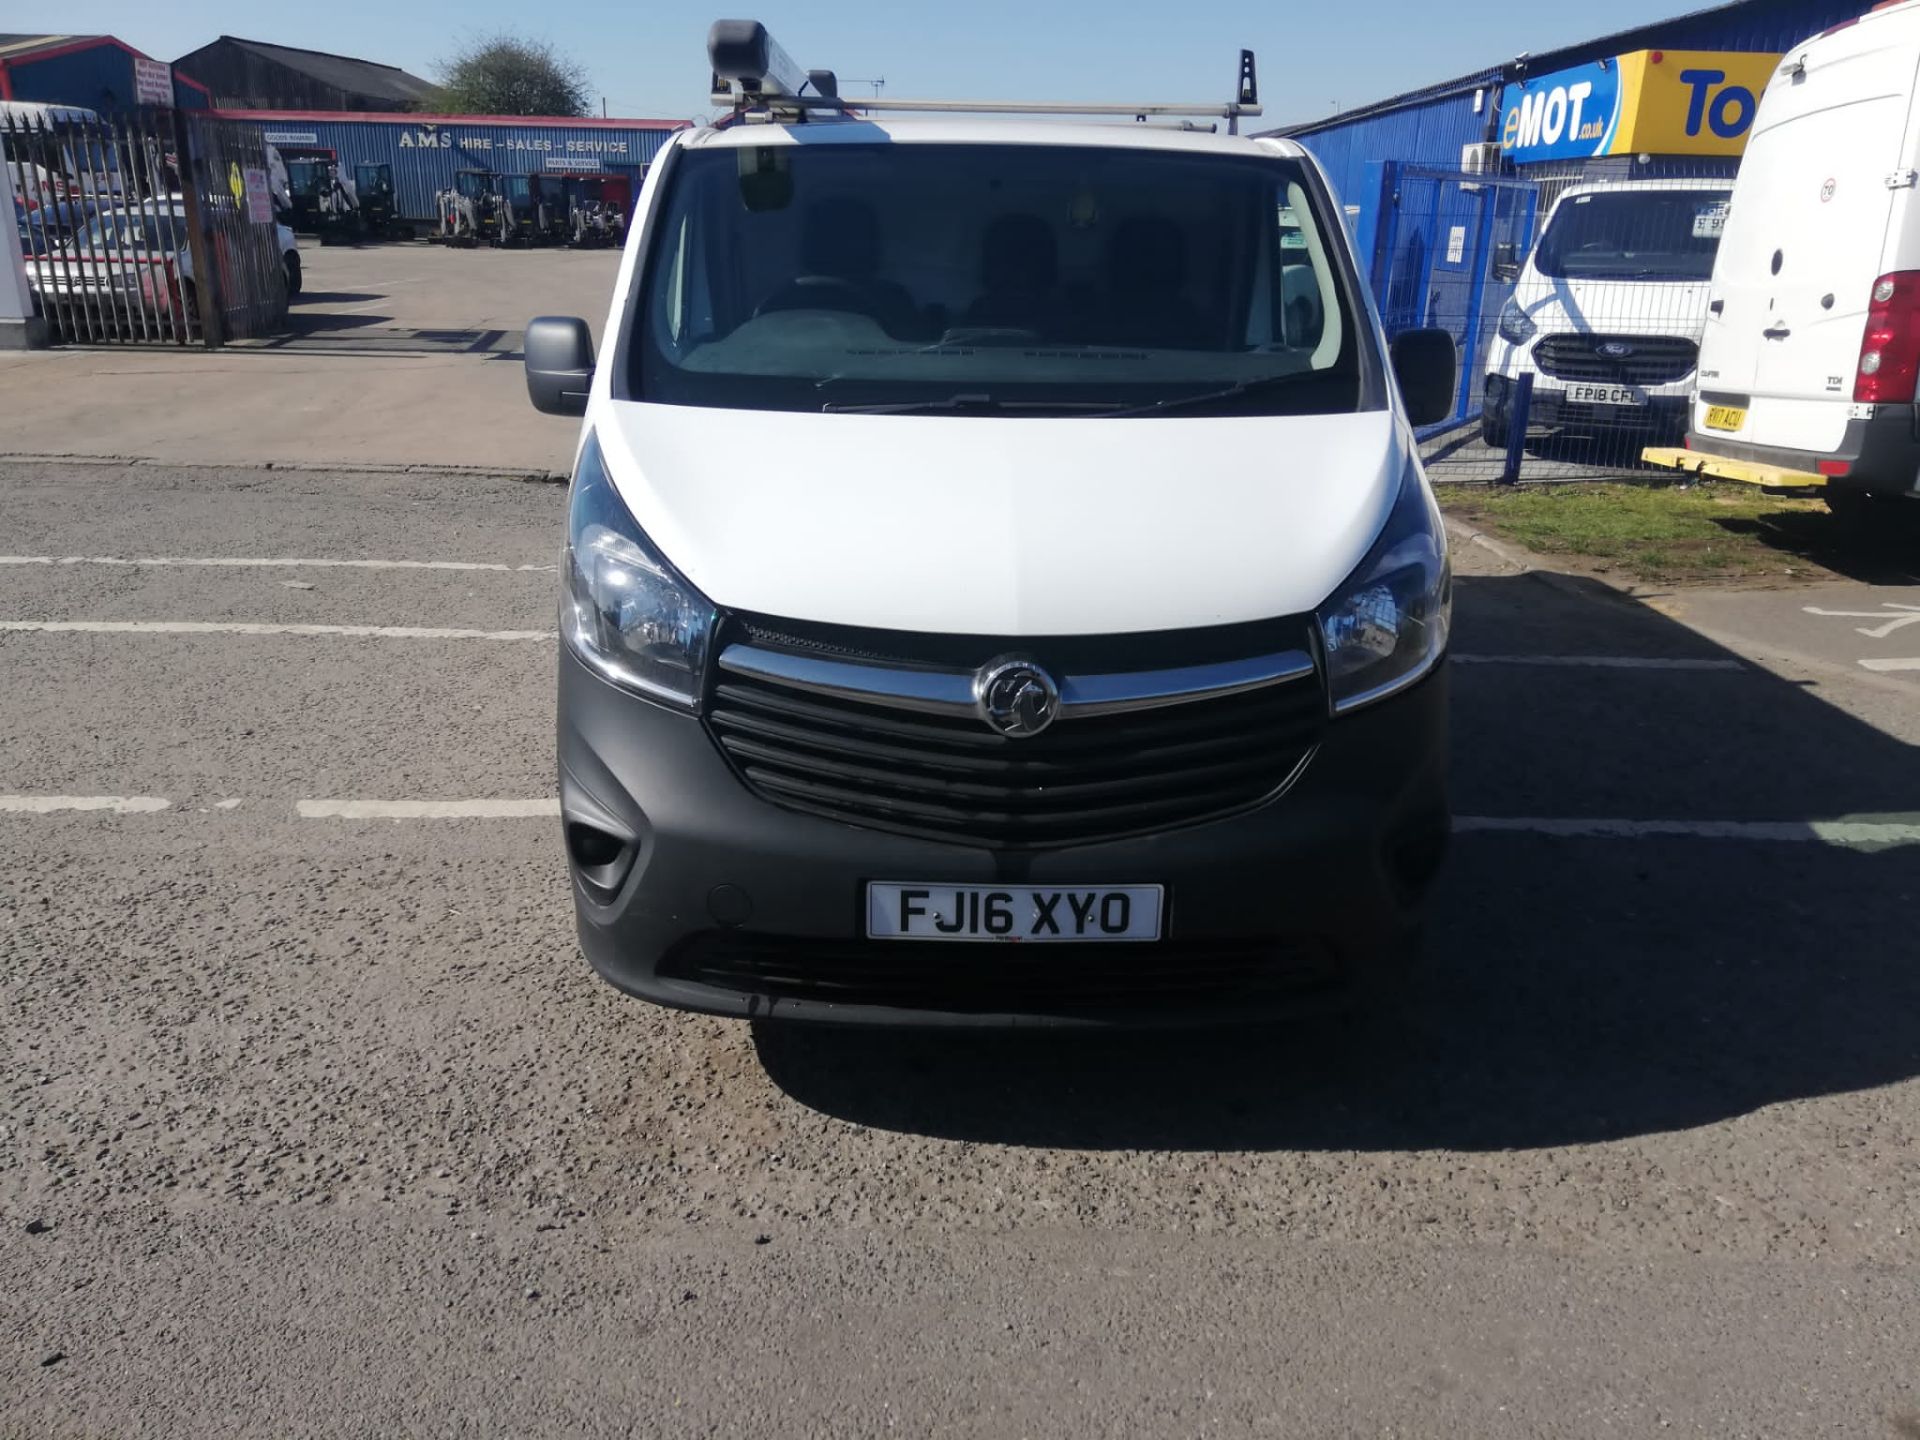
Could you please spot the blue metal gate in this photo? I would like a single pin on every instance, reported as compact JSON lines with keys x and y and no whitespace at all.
{"x":1441,"y":260}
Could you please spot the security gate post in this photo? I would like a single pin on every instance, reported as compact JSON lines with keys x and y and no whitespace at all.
{"x":1517,"y":417}
{"x":206,"y":278}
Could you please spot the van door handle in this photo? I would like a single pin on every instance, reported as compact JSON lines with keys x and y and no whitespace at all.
{"x":1776,"y":332}
{"x":1716,"y":306}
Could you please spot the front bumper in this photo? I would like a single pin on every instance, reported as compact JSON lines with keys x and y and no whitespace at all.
{"x":692,"y":891}
{"x":1550,"y":409}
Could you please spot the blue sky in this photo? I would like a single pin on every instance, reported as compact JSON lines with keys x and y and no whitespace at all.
{"x":647,"y":59}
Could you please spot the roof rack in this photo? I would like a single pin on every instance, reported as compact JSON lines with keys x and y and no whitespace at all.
{"x":757,"y":80}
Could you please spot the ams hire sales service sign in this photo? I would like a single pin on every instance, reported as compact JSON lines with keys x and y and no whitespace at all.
{"x":1651,"y":102}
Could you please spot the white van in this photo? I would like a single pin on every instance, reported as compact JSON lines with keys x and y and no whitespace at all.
{"x":89,"y":174}
{"x":1811,"y":356}
{"x":1607,"y":312}
{"x":1000,"y":582}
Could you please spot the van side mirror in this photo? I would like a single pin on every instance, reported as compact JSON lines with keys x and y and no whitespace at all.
{"x":1427,"y":367}
{"x":559,"y":351}
{"x":1506,"y":262}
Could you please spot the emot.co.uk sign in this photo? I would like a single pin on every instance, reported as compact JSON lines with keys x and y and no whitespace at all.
{"x":1652,"y":102}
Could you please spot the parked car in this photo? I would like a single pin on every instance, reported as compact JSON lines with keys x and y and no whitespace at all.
{"x":45,"y":227}
{"x":1607,"y":312}
{"x":137,"y":250}
{"x":972,"y":539}
{"x":1811,"y":357}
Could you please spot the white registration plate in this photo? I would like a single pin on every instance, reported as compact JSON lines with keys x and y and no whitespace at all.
{"x":1606,"y":395}
{"x":1017,"y":914}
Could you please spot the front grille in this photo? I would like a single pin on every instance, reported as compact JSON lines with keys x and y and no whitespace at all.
{"x":1087,"y":778}
{"x":1006,"y":979}
{"x":1656,"y":359}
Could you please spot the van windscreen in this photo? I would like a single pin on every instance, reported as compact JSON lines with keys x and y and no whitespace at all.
{"x":987,"y":277}
{"x":1634,"y":235}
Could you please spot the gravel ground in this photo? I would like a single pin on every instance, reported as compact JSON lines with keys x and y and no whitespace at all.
{"x":322,"y":1127}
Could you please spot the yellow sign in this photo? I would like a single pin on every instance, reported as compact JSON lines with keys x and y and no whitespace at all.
{"x":1690,"y":102}
{"x":234,"y":183}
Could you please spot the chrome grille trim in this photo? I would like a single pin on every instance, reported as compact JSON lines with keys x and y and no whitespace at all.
{"x":950,"y":692}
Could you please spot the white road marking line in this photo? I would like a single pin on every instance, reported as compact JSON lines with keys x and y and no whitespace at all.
{"x":1876,"y":632}
{"x":1883,"y":666}
{"x":428,"y":809}
{"x":1797,"y":832}
{"x":218,"y":562}
{"x":56,"y":804}
{"x":1821,"y":832}
{"x":1603,"y":662}
{"x":224,"y":627}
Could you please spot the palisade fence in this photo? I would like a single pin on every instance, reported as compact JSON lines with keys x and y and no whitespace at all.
{"x":1577,"y":302}
{"x":125,"y":244}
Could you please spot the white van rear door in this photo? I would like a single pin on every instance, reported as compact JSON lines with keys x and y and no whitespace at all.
{"x":1805,"y":236}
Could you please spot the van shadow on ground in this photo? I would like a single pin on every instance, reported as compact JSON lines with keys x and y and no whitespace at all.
{"x":327,"y":332}
{"x":1884,"y":550}
{"x":1573,"y":989}
{"x":319,"y":299}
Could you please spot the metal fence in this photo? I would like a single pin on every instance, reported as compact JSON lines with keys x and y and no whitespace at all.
{"x":1577,"y":304}
{"x":125,"y":244}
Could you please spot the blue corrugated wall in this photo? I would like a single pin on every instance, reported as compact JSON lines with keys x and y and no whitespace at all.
{"x":421,"y":170}
{"x":97,"y":78}
{"x":1429,"y":128}
{"x":1429,"y":133}
{"x":1754,"y":25}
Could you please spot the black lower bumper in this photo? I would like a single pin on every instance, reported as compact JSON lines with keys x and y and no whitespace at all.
{"x":1881,"y":455}
{"x":1549,"y":409}
{"x":694,"y":892}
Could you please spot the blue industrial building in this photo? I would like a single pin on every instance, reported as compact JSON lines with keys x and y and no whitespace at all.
{"x":427,"y":151}
{"x":1443,"y":186}
{"x":1435,"y":126}
{"x":95,"y":72}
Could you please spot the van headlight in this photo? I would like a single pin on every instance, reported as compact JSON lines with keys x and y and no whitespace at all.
{"x":626,"y":612}
{"x":1387,"y":625}
{"x":1516,"y":326}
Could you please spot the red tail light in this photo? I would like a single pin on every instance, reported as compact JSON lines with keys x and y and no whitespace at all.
{"x":1889,"y":370}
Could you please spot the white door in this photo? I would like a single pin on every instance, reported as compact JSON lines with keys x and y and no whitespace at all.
{"x":1805,"y":235}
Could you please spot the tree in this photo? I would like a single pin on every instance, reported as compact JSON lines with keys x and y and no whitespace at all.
{"x":506,"y":75}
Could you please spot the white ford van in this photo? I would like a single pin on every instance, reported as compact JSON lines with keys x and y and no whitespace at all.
{"x":1811,"y":357}
{"x":88,"y":171}
{"x":1607,"y":312}
{"x":1000,"y":584}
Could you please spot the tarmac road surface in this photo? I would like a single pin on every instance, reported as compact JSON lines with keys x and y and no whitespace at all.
{"x":314,"y":1122}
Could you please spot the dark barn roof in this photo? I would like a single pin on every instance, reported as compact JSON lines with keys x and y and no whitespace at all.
{"x":379,"y":86}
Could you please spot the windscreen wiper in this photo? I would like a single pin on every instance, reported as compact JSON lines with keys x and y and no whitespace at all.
{"x":965,"y":404}
{"x":1208,"y":397}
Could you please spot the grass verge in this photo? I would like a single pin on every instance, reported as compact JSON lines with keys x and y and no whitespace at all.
{"x":1661,"y":534}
